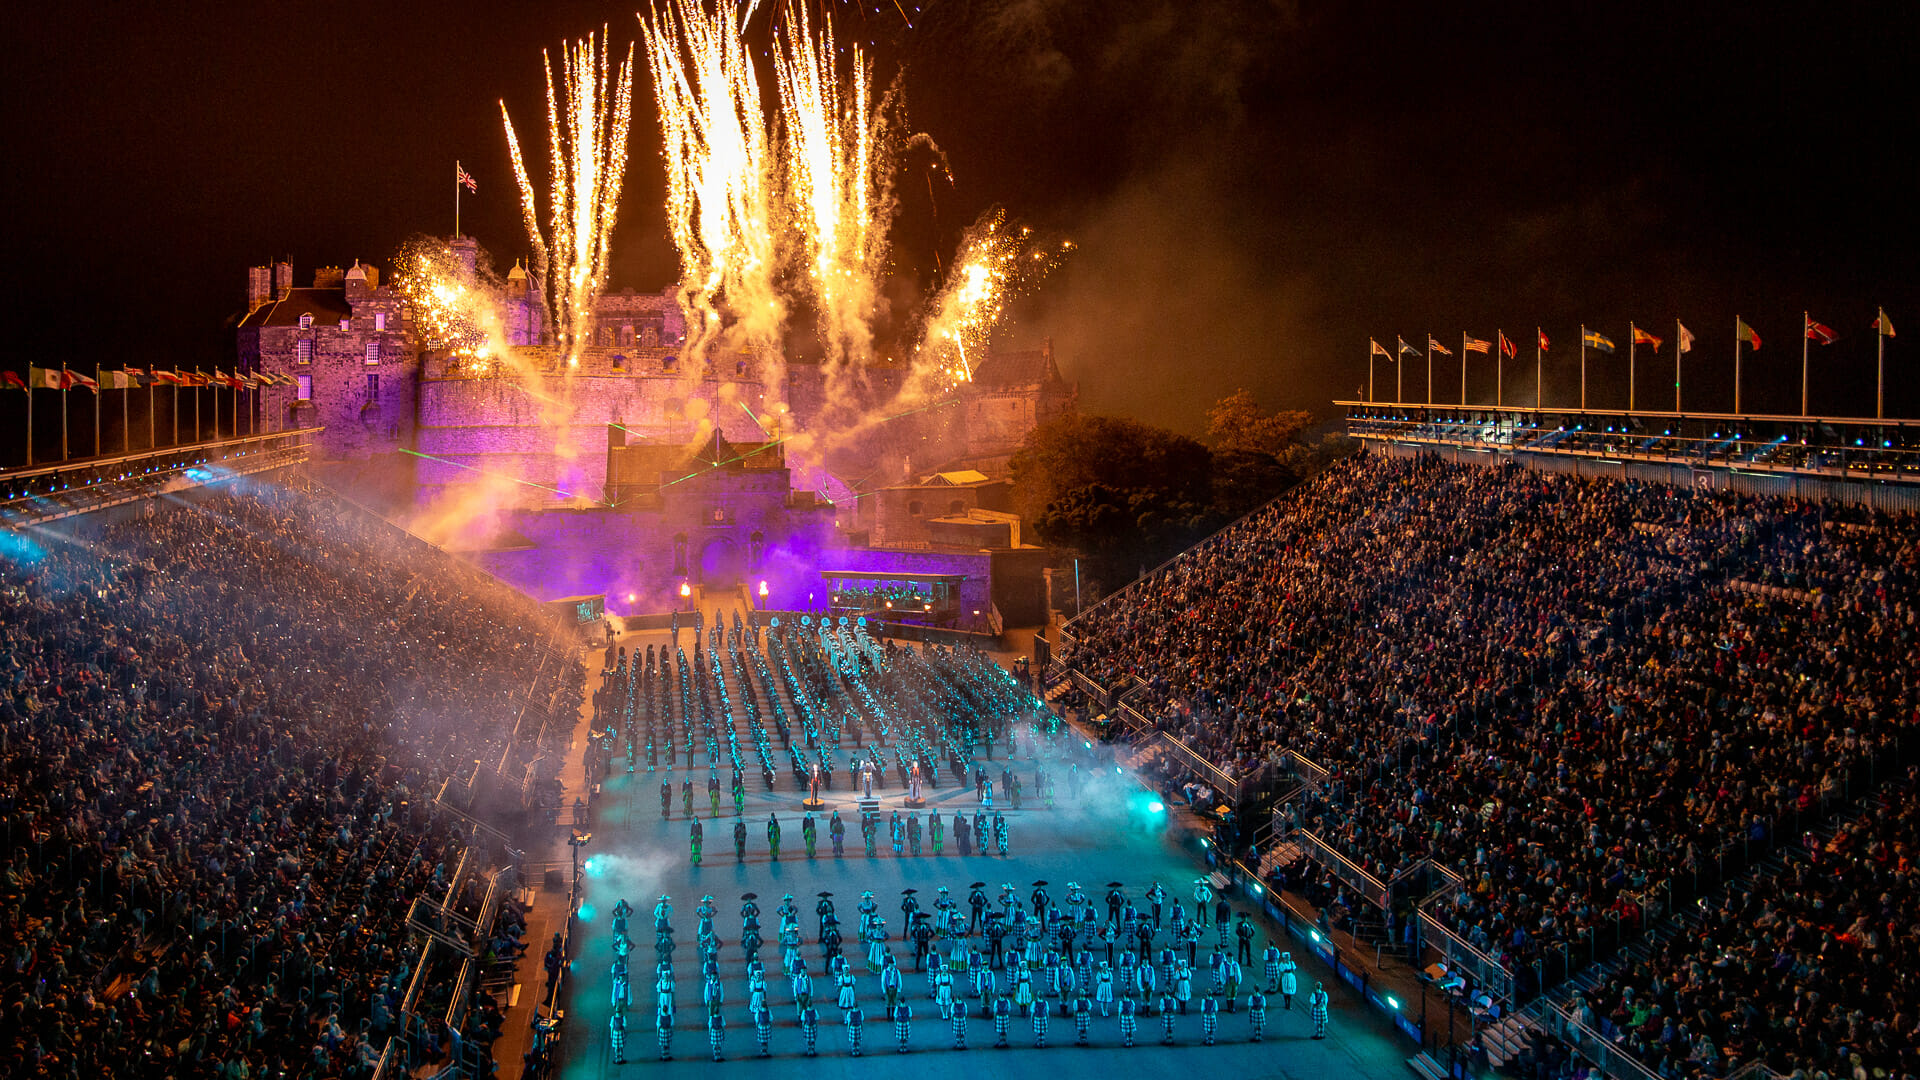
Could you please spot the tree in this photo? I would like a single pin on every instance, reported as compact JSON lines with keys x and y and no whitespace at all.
{"x":1236,"y":424}
{"x":1122,"y":455}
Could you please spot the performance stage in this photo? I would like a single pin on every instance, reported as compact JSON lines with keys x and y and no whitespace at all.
{"x":1108,"y":834}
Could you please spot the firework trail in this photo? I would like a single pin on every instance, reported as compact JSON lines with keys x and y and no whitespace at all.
{"x":588,"y":115}
{"x":721,"y":202}
{"x":995,"y":264}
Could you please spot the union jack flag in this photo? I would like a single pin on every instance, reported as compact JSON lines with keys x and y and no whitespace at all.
{"x":462,"y":177}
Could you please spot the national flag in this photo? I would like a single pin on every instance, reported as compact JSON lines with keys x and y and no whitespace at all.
{"x":1594,"y":339}
{"x":1507,"y":347}
{"x":12,"y":380}
{"x":1542,"y":335}
{"x":136,"y":373}
{"x":115,"y":380}
{"x":74,"y":378}
{"x":465,"y":180}
{"x":1685,"y":342}
{"x":1437,"y":347}
{"x":40,"y":378}
{"x":1474,"y":344}
{"x":1641,"y":337}
{"x":1376,"y":349}
{"x":1743,"y":332}
{"x":171,"y":378}
{"x":1406,"y":349}
{"x":1819,"y":332}
{"x":1883,"y":324}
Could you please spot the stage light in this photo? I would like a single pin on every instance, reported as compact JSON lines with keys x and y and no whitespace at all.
{"x":763,"y":588}
{"x":1156,"y":807}
{"x":1314,"y":934}
{"x":1393,"y":1002}
{"x":587,"y":911}
{"x":630,"y":598}
{"x":686,"y":589}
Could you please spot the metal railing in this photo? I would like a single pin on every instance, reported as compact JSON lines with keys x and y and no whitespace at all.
{"x":1596,"y":1047}
{"x":1310,"y":772}
{"x":1482,"y":970}
{"x":1355,"y":876}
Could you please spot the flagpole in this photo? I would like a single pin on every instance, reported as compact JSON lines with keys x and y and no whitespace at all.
{"x":1538,"y":370}
{"x":1583,"y":367}
{"x":176,"y":407}
{"x":456,"y":200}
{"x":126,"y":430}
{"x":1429,"y":369}
{"x":1630,"y":340}
{"x":196,"y":405}
{"x":1369,"y":371}
{"x":64,"y":378}
{"x":1879,"y":366}
{"x":30,"y":390}
{"x":1736,"y":365}
{"x":153,"y":433}
{"x":1399,"y":375}
{"x":1678,"y":340}
{"x":96,"y":408}
{"x":1806,"y":322}
{"x":1463,"y":368}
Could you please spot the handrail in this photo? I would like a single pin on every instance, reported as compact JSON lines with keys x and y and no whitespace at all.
{"x":1311,"y":773}
{"x":1491,"y":975}
{"x":1599,"y":1049}
{"x":1371,"y":888}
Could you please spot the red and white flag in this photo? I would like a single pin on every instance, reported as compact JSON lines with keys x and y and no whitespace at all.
{"x":1818,"y":333}
{"x":1543,"y":338}
{"x":74,"y":378}
{"x":1506,"y":346}
{"x":465,"y":179}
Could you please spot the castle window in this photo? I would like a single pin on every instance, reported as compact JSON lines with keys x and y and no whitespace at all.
{"x":671,"y":363}
{"x":650,"y":337}
{"x":306,"y":320}
{"x":373,"y":386}
{"x":914,"y":508}
{"x":739,"y":367}
{"x":626,"y":335}
{"x":346,"y":325}
{"x":373,"y":352}
{"x":379,"y":320}
{"x":303,"y":387}
{"x":303,"y":351}
{"x":956,"y":508}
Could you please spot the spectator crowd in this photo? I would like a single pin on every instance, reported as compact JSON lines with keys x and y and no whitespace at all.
{"x":1579,"y":697}
{"x":223,"y":719}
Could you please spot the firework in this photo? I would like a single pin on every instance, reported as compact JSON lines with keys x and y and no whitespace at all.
{"x":454,"y":310}
{"x":838,"y":164}
{"x":720,"y":197}
{"x":588,"y":114}
{"x":995,"y":264}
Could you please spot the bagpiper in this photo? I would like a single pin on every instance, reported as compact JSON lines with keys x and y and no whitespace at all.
{"x":762,"y":1029}
{"x":958,"y":1018}
{"x":1257,"y":1013}
{"x":617,"y":1035}
{"x":902,"y":1025}
{"x":1209,"y":1019}
{"x":1317,"y":1003}
{"x":1129,"y":1020}
{"x":810,"y":1029}
{"x":663,"y":1026}
{"x":856,"y":1022}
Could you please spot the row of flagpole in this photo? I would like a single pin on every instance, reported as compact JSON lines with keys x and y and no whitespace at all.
{"x":1504,"y":349}
{"x":127,"y":380}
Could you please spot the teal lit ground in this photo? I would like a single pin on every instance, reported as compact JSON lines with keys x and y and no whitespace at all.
{"x":1109,"y":836}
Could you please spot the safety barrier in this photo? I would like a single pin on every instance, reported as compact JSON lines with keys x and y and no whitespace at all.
{"x":1352,"y":874}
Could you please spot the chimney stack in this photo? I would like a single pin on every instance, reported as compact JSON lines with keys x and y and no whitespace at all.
{"x":282,"y":279}
{"x":259,"y":287}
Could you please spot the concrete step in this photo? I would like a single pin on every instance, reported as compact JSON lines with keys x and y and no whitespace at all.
{"x":1423,"y":1064}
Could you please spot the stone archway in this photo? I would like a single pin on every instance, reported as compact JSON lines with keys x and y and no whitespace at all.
{"x":722,"y":563}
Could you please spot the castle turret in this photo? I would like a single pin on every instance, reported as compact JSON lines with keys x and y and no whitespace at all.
{"x":259,"y":286}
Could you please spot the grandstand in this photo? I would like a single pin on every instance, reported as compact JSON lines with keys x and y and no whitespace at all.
{"x":226,"y":715}
{"x":1527,"y":722}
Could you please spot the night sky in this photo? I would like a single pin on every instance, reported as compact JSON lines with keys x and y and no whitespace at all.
{"x":1255,"y":188}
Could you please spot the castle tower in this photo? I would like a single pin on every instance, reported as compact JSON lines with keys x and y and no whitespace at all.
{"x":259,"y":286}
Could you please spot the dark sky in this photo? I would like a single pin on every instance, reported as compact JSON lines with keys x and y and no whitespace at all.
{"x":1256,"y":187}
